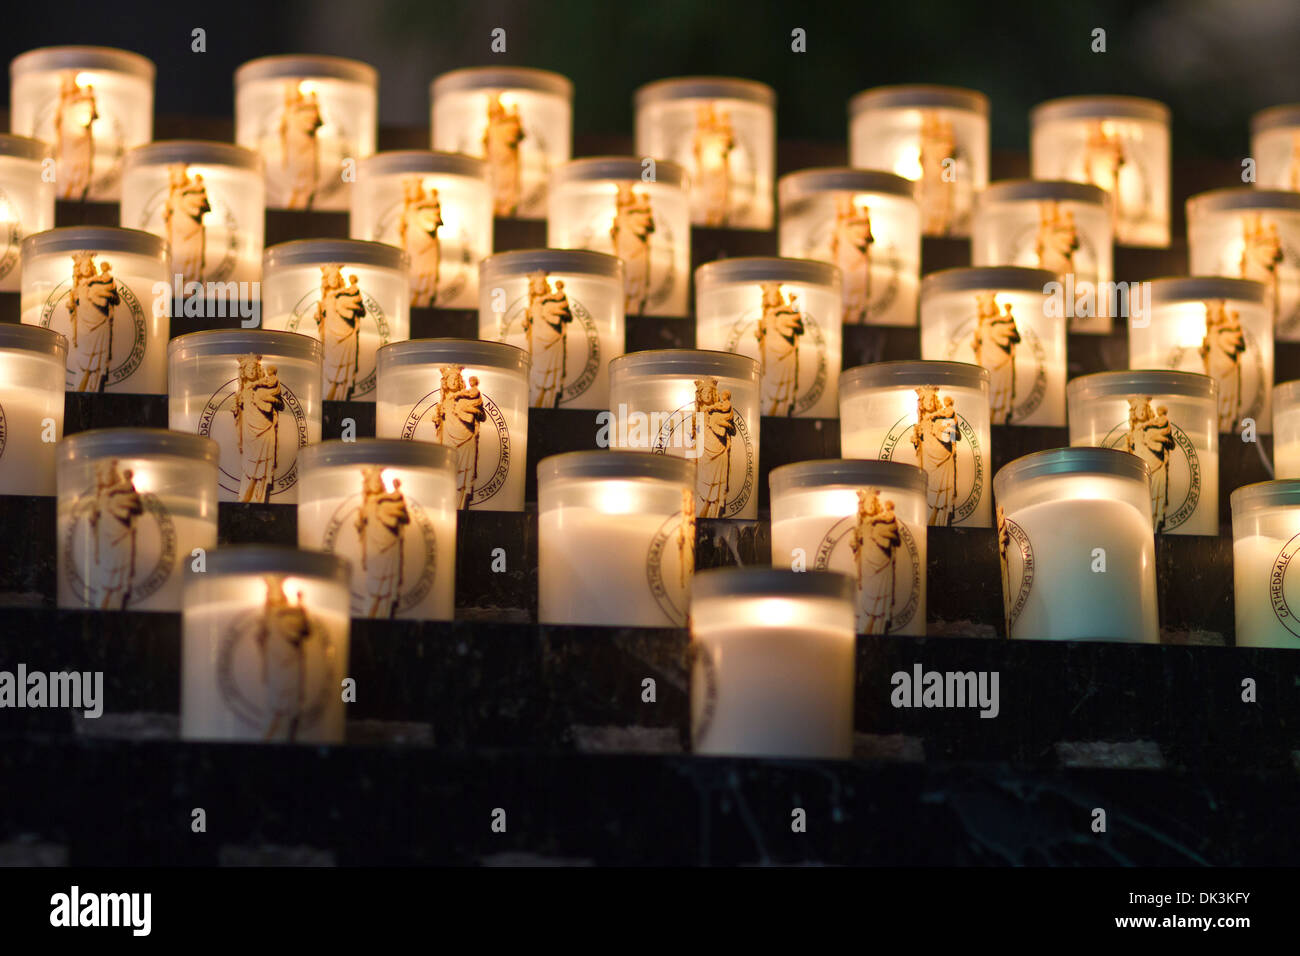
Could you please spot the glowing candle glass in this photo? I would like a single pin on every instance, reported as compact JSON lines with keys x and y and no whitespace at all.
{"x":1009,"y":319}
{"x":1286,"y":430}
{"x":1077,"y":546}
{"x":932,"y":415}
{"x":637,"y":212}
{"x":935,"y":135}
{"x":469,"y":395}
{"x":519,"y":120}
{"x":1170,"y":421}
{"x":564,"y":307}
{"x":1219,"y":327}
{"x":354,"y":296}
{"x":702,"y":406}
{"x":389,"y":508}
{"x":33,"y":363}
{"x":1120,"y":143}
{"x":723,"y":132}
{"x":309,"y":117}
{"x":134,"y":505}
{"x":773,"y":663}
{"x":264,"y":647}
{"x":257,"y":395}
{"x":1265,"y":537}
{"x":435,"y":206}
{"x":26,"y":202}
{"x":1275,"y":146}
{"x":616,"y":539}
{"x":108,"y":292}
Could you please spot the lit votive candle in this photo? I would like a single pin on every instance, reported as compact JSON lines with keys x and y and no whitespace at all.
{"x":723,"y":132}
{"x":935,"y":135}
{"x":91,"y":104}
{"x":868,"y":225}
{"x":520,"y":120}
{"x":389,"y":508}
{"x":866,"y":519}
{"x":469,"y":395}
{"x":311,"y":118}
{"x":698,"y":405}
{"x":1251,"y":234}
{"x":616,"y":539}
{"x":1219,"y":327}
{"x":136,"y":506}
{"x":1265,"y":538}
{"x":773,"y":663}
{"x":264,"y":646}
{"x":33,"y":363}
{"x":435,"y":206}
{"x":257,"y":395}
{"x":564,"y":307}
{"x":1077,"y":546}
{"x":932,"y":415}
{"x":354,"y":296}
{"x":1170,"y":421}
{"x":1120,"y":143}
{"x":786,"y":313}
{"x":1009,"y":319}
{"x":1286,"y":429}
{"x":638,"y":210}
{"x":207,"y":200}
{"x":1063,"y":227}
{"x":26,"y":201}
{"x":1275,"y":146}
{"x":108,"y":292}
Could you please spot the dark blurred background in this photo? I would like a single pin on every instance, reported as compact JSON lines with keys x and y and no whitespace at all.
{"x":1213,"y":61}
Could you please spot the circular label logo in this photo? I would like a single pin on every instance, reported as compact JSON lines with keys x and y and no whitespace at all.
{"x":704,"y":691}
{"x":518,"y":155}
{"x":1233,"y":359}
{"x":4,"y":431}
{"x":880,"y":554}
{"x":90,"y":141}
{"x":349,"y":370}
{"x":1015,"y":358}
{"x":304,"y":143}
{"x":119,"y":546}
{"x":720,"y":158}
{"x":1016,"y":555}
{"x":791,"y":357}
{"x":947,"y":449}
{"x":441,"y":260}
{"x":103,"y":321}
{"x":259,"y":442}
{"x":203,"y":234}
{"x":870,"y":277}
{"x":717,"y":438}
{"x":1280,"y":592}
{"x":393,"y":549}
{"x":670,"y":563}
{"x":1171,"y":460}
{"x":11,"y":235}
{"x":460,"y":416}
{"x":564,"y":364}
{"x":646,"y":245}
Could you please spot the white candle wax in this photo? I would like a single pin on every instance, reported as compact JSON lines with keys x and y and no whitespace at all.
{"x":1265,"y":592}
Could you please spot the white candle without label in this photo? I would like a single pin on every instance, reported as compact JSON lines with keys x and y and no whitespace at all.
{"x":1266,"y":537}
{"x":32,"y":369}
{"x":26,"y":202}
{"x":1275,"y":147}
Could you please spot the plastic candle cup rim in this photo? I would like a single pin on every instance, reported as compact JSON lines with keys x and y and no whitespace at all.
{"x":137,"y":443}
{"x":395,"y":162}
{"x":909,"y":373}
{"x":1041,"y":190}
{"x":25,"y":147}
{"x":351,"y":253}
{"x":1265,"y":494}
{"x":704,"y":88}
{"x":766,"y":269}
{"x":618,"y":169}
{"x":1100,"y":107}
{"x":96,"y":240}
{"x":378,"y":452}
{"x":197,"y":152}
{"x":259,"y":559}
{"x":446,"y":351}
{"x":919,"y":96}
{"x":823,"y":179}
{"x":1196,"y":289}
{"x":1237,"y":198}
{"x":839,"y":472}
{"x":306,"y":67}
{"x":1124,"y":382}
{"x":988,"y":279}
{"x":90,"y":58}
{"x":674,"y":362}
{"x":520,"y":262}
{"x":269,"y":343}
{"x":770,"y":583}
{"x":33,"y":339}
{"x":1078,"y":460}
{"x":617,"y":464}
{"x":503,"y":78}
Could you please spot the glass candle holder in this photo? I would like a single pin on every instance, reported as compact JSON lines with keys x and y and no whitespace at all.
{"x":389,"y":508}
{"x":564,"y":307}
{"x":435,"y":206}
{"x":470,"y":396}
{"x":701,"y":406}
{"x":354,"y":296}
{"x":1275,"y":146}
{"x":865,"y":223}
{"x":1063,"y":227}
{"x":1251,"y":234}
{"x":520,"y":120}
{"x":931,"y":415}
{"x":108,"y":292}
{"x":33,"y":364}
{"x":1120,"y":143}
{"x":1219,"y":327}
{"x":722,"y":131}
{"x":773,"y":663}
{"x":257,"y":395}
{"x":1010,"y":320}
{"x":264,"y":647}
{"x":91,"y":104}
{"x":310,"y":117}
{"x":866,"y":519}
{"x":786,"y":314}
{"x":937,"y":136}
{"x":1077,"y":546}
{"x":1265,"y":537}
{"x":136,"y":507}
{"x":616,"y":539}
{"x":26,"y":202}
{"x":1286,"y":430}
{"x":207,"y":200}
{"x":1170,"y":421}
{"x":638,"y":210}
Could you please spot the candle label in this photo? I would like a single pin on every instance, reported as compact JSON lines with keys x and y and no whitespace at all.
{"x":337,"y":313}
{"x":715,"y":434}
{"x":1282,"y":593}
{"x":1269,"y":257}
{"x":4,"y":431}
{"x":278,"y":667}
{"x":1170,"y":457}
{"x":441,"y":256}
{"x":558,"y":332}
{"x":119,"y":545}
{"x":390,"y":542}
{"x":1056,"y":244}
{"x":939,"y":159}
{"x":462,"y":417}
{"x":11,"y":234}
{"x":646,"y":245}
{"x":1016,"y":557}
{"x":721,"y":167}
{"x":259,"y":448}
{"x":1014,"y":356}
{"x":704,"y":691}
{"x":944,"y":444}
{"x":517,"y":152}
{"x":304,"y":144}
{"x":1231,"y":356}
{"x":201,"y":229}
{"x":89,"y":141}
{"x":791,"y":351}
{"x":103,"y":322}
{"x":1105,"y":157}
{"x":670,"y":562}
{"x":869,"y":264}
